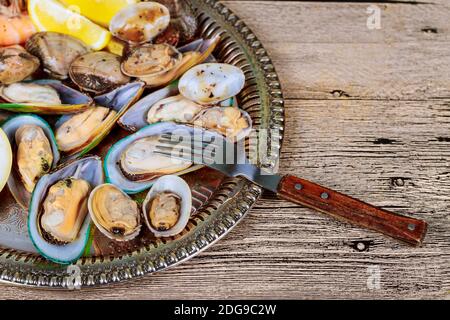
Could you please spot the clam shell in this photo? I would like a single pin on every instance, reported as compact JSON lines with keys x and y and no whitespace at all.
{"x":10,"y":127}
{"x":193,"y":54}
{"x":98,"y":72}
{"x":140,"y":23}
{"x":178,"y":186}
{"x":16,"y":64}
{"x":119,"y":100}
{"x":101,"y":227}
{"x":72,"y":101}
{"x":89,"y":169}
{"x":56,"y":51}
{"x":211,"y":83}
{"x":112,"y":168}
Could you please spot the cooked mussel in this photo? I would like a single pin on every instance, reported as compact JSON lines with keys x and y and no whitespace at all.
{"x":177,"y":109}
{"x":35,"y":154}
{"x":64,"y":209}
{"x":79,"y":133}
{"x":114,"y":213}
{"x":56,"y":51}
{"x":58,"y":223}
{"x":133,"y":164}
{"x":74,"y":133}
{"x":167,"y":207}
{"x":139,"y":162}
{"x":43,"y":97}
{"x":30,"y":93}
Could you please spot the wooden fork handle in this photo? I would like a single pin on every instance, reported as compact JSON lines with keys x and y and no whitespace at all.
{"x":345,"y":208}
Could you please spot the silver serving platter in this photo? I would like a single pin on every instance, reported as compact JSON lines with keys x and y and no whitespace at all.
{"x":228,"y":203}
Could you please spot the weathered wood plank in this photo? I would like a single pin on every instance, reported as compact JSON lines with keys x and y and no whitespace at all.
{"x":334,"y":55}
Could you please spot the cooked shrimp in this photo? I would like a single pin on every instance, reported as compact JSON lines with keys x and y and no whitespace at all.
{"x":15,"y":26}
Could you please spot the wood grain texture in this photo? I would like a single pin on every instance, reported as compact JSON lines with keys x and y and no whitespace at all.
{"x":367,"y":115}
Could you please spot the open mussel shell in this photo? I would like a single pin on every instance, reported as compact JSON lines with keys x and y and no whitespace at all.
{"x":136,"y":116}
{"x":114,"y":213}
{"x":90,"y":170}
{"x":112,"y":163}
{"x":72,"y":101}
{"x":118,"y":101}
{"x":179,"y":188}
{"x":10,"y":127}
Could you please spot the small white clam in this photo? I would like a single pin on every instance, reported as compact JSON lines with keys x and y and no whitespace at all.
{"x":167,"y":207}
{"x":211,"y":83}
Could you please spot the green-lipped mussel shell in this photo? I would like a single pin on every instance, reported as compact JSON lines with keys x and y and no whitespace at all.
{"x":72,"y":100}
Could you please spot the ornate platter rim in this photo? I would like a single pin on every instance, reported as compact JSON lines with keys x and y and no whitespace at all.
{"x":233,"y":200}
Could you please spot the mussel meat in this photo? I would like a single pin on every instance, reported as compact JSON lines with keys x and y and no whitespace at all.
{"x":56,"y":51}
{"x":32,"y":93}
{"x":140,"y":163}
{"x":58,"y":223}
{"x":16,"y":64}
{"x":43,"y":97}
{"x":34,"y":154}
{"x":80,"y":128}
{"x":114,"y":213}
{"x":177,"y":109}
{"x":65,"y":209}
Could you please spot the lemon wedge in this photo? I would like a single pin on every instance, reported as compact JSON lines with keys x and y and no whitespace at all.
{"x":99,"y":11}
{"x":51,"y":15}
{"x":5,"y":159}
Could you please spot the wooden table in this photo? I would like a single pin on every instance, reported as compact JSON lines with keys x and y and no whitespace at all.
{"x":367,"y":114}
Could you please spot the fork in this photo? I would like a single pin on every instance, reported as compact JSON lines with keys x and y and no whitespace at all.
{"x":228,"y":158}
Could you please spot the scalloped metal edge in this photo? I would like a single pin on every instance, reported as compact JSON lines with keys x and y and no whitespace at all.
{"x":239,"y":46}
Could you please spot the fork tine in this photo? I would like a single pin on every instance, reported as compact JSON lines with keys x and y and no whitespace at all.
{"x":184,"y":152}
{"x":169,"y":137}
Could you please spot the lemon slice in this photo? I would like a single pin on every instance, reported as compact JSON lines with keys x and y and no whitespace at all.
{"x":5,"y":159}
{"x":51,"y":15}
{"x":99,"y":11}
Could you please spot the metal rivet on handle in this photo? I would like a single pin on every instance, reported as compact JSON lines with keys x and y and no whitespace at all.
{"x":412,"y":226}
{"x":298,"y":186}
{"x":325,"y":196}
